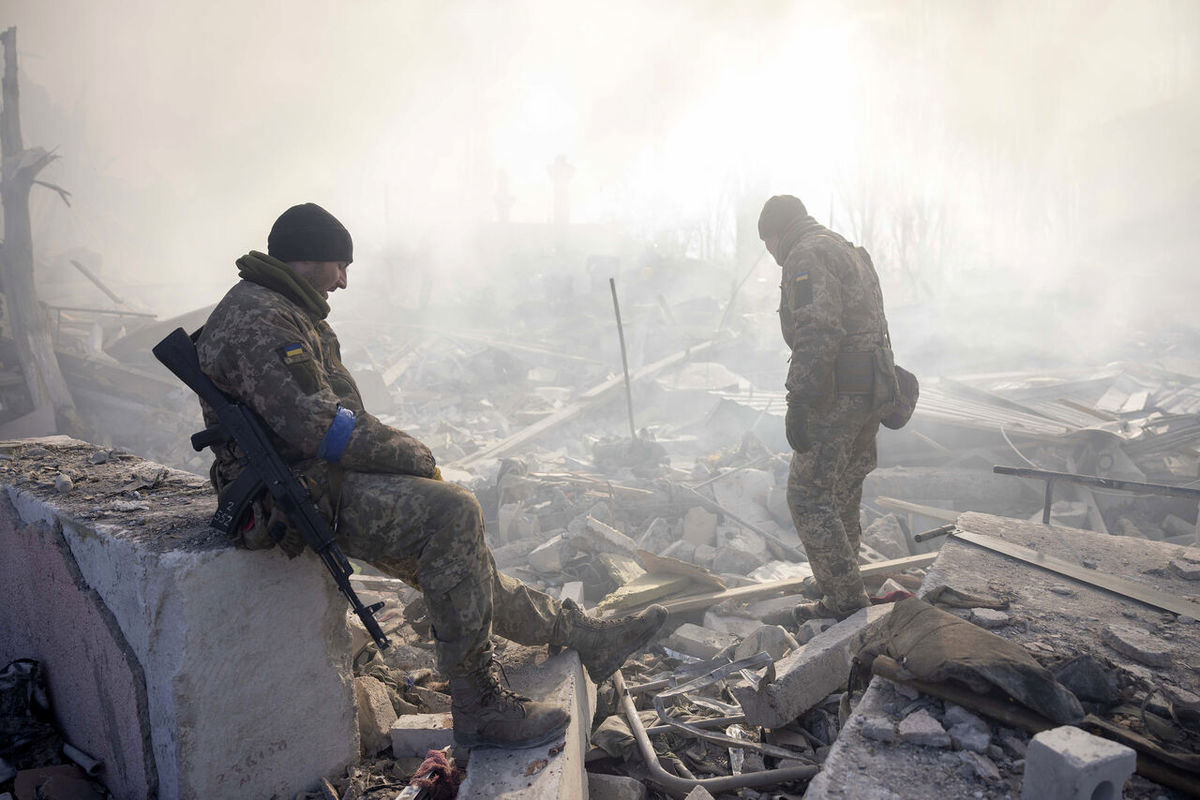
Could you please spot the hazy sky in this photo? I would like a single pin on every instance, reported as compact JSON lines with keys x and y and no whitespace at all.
{"x":957,"y":139}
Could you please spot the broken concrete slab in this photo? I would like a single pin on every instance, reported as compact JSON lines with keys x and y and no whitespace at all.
{"x":989,"y":618}
{"x":553,"y":771}
{"x":1138,"y":645}
{"x":887,"y":536}
{"x":1066,"y":623}
{"x":811,"y":673}
{"x":1186,"y":567}
{"x":161,"y":637}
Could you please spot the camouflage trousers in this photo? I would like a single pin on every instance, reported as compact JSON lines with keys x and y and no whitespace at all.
{"x":824,"y":492}
{"x":430,"y":535}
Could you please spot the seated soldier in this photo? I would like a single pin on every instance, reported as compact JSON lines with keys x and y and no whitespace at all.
{"x":267,"y":345}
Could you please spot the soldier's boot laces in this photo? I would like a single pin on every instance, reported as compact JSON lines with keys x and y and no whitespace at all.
{"x":604,"y":644}
{"x":487,"y":713}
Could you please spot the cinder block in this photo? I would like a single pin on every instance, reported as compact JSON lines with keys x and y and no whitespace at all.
{"x":414,"y":735}
{"x":1067,"y":763}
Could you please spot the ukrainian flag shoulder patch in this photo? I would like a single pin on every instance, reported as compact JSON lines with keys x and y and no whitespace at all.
{"x":291,"y":353}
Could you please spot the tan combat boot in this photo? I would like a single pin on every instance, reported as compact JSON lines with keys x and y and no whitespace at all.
{"x":487,"y":713}
{"x":604,"y":644}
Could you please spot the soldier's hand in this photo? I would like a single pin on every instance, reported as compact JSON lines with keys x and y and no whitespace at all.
{"x":796,"y":427}
{"x":290,"y":540}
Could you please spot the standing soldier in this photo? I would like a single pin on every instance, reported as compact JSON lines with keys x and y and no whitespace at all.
{"x":267,"y":345}
{"x":841,"y":384}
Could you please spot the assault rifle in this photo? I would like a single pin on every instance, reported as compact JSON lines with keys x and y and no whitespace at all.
{"x":264,"y":471}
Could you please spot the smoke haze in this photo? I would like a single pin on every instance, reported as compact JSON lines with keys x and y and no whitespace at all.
{"x":1023,"y":169}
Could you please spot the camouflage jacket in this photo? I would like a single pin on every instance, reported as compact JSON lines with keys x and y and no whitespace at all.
{"x":271,"y":352}
{"x":830,"y":303}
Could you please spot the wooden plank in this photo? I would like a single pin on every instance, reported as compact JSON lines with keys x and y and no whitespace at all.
{"x":642,"y":592}
{"x":940,"y":514}
{"x":790,"y":586}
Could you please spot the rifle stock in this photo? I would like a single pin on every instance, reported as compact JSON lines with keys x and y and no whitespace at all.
{"x":239,"y":424}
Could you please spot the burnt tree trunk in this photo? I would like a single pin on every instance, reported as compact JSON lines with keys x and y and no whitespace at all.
{"x":29,"y":321}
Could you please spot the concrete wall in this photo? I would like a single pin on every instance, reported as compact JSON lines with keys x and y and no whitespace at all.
{"x":192,"y":669}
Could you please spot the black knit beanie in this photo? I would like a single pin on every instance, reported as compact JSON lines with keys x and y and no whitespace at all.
{"x":778,"y":213}
{"x":309,"y":233}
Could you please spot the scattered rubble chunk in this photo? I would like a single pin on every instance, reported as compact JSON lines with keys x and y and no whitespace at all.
{"x":1186,"y":567}
{"x":989,"y":618}
{"x":770,"y":639}
{"x":921,"y":728}
{"x":812,"y":627}
{"x":699,"y":642}
{"x":879,"y":729}
{"x":980,"y":765}
{"x":1062,"y":589}
{"x":1138,"y":645}
{"x":699,"y":526}
{"x":63,"y":483}
{"x":887,"y":536}
{"x":615,"y":787}
{"x":1088,"y":679}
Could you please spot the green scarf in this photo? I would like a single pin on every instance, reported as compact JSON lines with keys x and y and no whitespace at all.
{"x":278,"y":276}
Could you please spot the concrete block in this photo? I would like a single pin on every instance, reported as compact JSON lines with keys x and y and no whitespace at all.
{"x":1067,"y":763}
{"x":548,"y":558}
{"x":375,"y":714}
{"x":161,"y":638}
{"x":572,"y":590}
{"x":771,"y":639}
{"x":699,"y":642}
{"x":699,"y":793}
{"x":700,"y":526}
{"x":615,"y":787}
{"x":979,"y":765}
{"x":811,"y":673}
{"x":414,"y":735}
{"x":1138,"y":645}
{"x":551,"y":772}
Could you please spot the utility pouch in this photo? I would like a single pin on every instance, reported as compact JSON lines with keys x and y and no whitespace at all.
{"x":855,"y":373}
{"x":884,"y":394}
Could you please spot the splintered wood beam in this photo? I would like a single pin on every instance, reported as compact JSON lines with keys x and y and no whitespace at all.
{"x":790,"y":585}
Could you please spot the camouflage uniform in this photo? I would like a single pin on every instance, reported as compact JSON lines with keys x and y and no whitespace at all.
{"x":274,"y":352}
{"x":841,"y":372}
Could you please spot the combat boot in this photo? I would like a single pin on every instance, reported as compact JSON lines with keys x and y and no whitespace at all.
{"x":604,"y":644}
{"x":487,"y":713}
